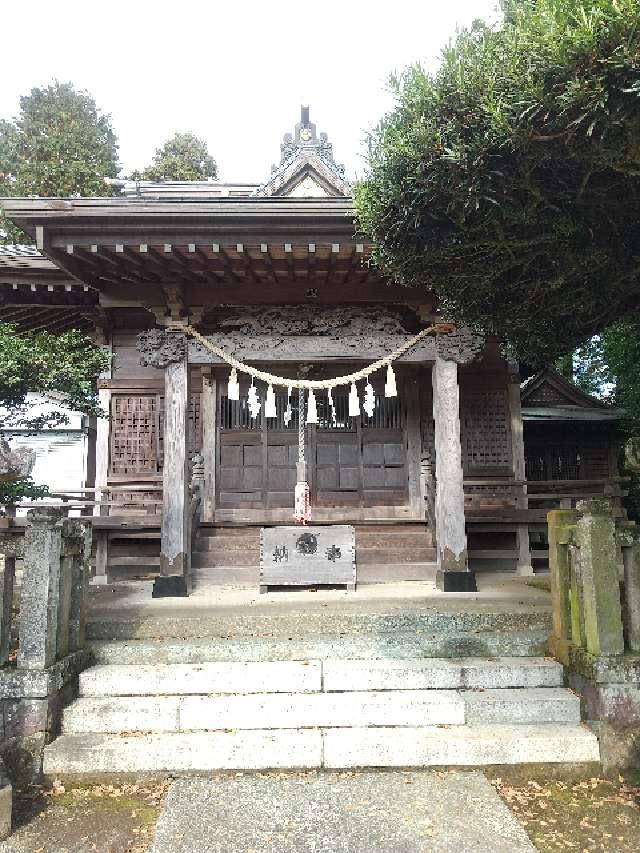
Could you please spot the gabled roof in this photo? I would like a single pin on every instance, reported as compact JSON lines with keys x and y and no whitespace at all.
{"x":307,"y":168}
{"x":549,"y":388}
{"x":548,"y":396}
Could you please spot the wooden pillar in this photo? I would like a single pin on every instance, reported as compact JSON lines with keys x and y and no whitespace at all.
{"x":175,"y":549}
{"x":208,"y":413}
{"x":100,"y":577}
{"x":414,"y":448}
{"x":453,"y":565}
{"x":524,"y":566}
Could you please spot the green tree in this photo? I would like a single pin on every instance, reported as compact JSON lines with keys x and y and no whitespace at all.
{"x":64,"y":369}
{"x":184,"y":157}
{"x":59,"y":145}
{"x":509,"y":180}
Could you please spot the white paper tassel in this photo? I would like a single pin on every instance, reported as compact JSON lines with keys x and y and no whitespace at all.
{"x":390,"y":389}
{"x":253,"y":401}
{"x":369,"y":404}
{"x":233,"y":388}
{"x":270,"y":404}
{"x":354,"y":401}
{"x":288,"y":414}
{"x":332,"y":405}
{"x":312,"y":409}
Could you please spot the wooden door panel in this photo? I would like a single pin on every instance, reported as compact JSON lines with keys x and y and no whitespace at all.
{"x":349,"y":478}
{"x":350,"y":461}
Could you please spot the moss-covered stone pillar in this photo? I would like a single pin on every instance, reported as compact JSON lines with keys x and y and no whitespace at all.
{"x":561,"y":524}
{"x":37,"y":648}
{"x":595,"y":536}
{"x":630,"y":540}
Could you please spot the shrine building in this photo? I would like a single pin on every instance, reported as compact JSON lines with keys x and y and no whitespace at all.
{"x":440,"y":461}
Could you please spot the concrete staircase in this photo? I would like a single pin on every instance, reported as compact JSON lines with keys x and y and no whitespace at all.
{"x":142,"y":718}
{"x":227,"y":555}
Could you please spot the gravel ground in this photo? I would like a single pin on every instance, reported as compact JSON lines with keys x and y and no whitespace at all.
{"x":589,"y":816}
{"x":97,"y":819}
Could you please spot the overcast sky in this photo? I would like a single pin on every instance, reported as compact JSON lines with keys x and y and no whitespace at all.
{"x":233,"y":72}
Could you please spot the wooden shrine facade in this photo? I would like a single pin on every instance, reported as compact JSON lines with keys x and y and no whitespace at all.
{"x":277,"y":277}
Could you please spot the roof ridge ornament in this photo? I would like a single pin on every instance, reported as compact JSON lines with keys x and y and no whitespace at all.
{"x":302,"y":152}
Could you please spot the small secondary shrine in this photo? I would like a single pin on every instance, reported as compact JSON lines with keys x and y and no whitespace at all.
{"x":261,"y":366}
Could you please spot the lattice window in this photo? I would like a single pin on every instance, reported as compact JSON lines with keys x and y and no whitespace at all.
{"x":134,"y":434}
{"x":486,"y":437}
{"x":596,"y":461}
{"x":552,"y":462}
{"x":546,"y":395}
{"x":137,"y":432}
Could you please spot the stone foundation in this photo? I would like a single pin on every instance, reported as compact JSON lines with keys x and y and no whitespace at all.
{"x":30,"y":713}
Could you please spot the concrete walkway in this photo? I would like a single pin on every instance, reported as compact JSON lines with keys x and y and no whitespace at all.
{"x":356,"y":812}
{"x":498,"y":592}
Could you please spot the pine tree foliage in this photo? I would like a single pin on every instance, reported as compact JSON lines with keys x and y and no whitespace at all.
{"x":184,"y":157}
{"x":509,"y":180}
{"x":60,"y":144}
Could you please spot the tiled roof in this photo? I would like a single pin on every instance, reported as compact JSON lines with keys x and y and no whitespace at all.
{"x":16,"y":250}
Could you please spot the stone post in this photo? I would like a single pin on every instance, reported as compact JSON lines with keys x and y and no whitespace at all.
{"x":11,"y":546}
{"x":80,"y":570}
{"x":40,"y":589}
{"x":453,"y":567}
{"x":631,"y":563}
{"x":561,"y":524}
{"x":595,"y":536}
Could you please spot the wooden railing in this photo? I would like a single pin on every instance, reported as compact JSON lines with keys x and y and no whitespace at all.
{"x":540,"y":494}
{"x":130,"y":499}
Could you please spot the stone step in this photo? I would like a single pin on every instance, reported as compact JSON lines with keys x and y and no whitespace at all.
{"x":440,"y":674}
{"x":320,"y":710}
{"x":92,"y":755}
{"x":211,"y":677}
{"x":398,"y":645}
{"x":283,"y":622}
{"x":463,"y":746}
{"x":316,"y":675}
